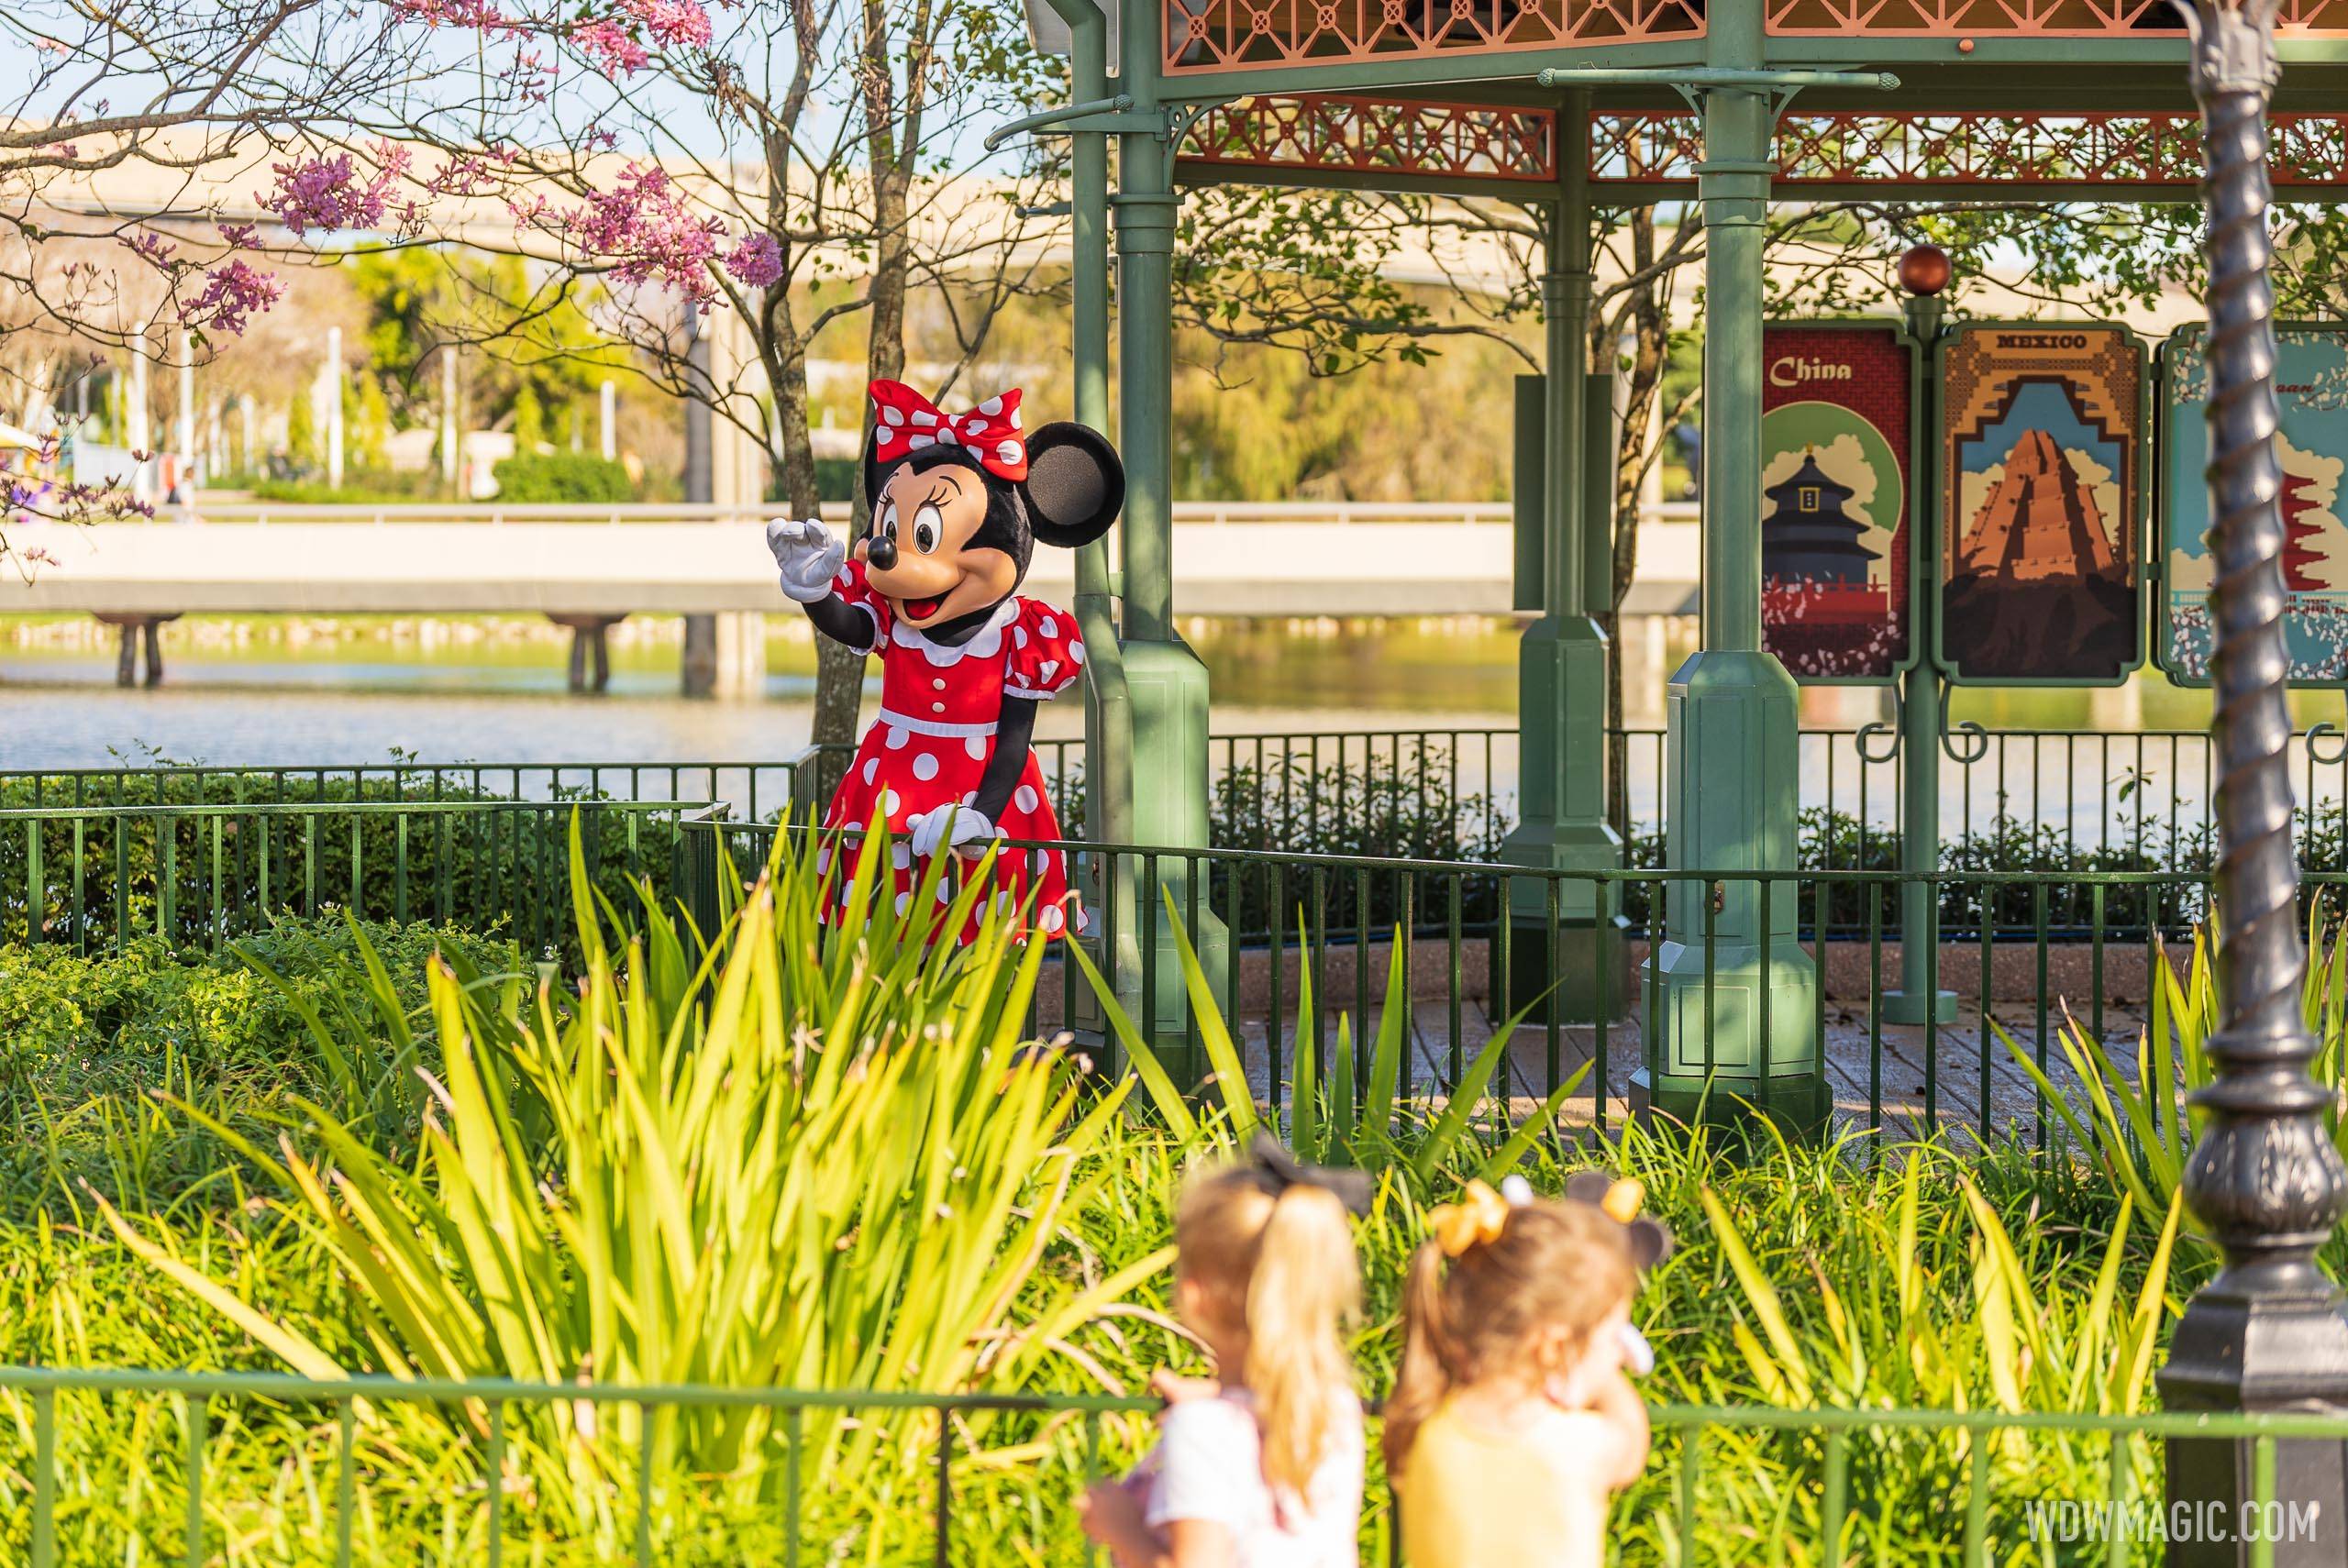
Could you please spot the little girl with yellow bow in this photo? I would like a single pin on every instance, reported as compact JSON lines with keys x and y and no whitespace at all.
{"x":1513,"y":1421}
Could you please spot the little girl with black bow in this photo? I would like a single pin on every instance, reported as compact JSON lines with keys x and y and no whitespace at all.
{"x":1263,"y":1469}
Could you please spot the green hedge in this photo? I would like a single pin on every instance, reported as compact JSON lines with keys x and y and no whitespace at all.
{"x":101,"y":878}
{"x":531,"y":479}
{"x":89,"y":1045}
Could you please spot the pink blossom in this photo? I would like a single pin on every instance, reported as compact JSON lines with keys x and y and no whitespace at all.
{"x":240,"y":236}
{"x":151,"y":248}
{"x":326,"y":192}
{"x":230,"y":294}
{"x":756,"y":261}
{"x":643,"y":227}
{"x":449,"y":12}
{"x":615,"y":51}
{"x":673,"y":23}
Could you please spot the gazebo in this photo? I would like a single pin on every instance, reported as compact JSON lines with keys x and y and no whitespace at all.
{"x":1567,"y":107}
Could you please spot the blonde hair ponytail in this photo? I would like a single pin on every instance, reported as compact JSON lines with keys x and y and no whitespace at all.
{"x":1282,"y":1267}
{"x":1305,"y":1286}
{"x":1430,"y":1351}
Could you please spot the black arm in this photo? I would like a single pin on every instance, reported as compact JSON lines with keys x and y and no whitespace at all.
{"x":842,"y":621}
{"x":1013,"y":733}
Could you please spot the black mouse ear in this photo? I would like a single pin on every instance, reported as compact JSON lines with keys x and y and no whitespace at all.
{"x":873,"y":476}
{"x":1075,"y":485}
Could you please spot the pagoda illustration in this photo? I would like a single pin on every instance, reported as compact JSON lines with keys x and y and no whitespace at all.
{"x":1807,"y":535}
{"x":2040,"y":525}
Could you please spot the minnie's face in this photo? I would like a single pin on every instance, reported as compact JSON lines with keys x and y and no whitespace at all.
{"x":923,"y":553}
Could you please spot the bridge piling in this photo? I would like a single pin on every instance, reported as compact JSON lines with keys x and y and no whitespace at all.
{"x":134,"y":629}
{"x":591,"y":655}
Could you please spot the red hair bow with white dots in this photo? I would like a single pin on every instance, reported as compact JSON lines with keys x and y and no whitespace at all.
{"x":905,"y":422}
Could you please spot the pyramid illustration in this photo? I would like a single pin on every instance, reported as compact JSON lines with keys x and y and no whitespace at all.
{"x":2040,"y":523}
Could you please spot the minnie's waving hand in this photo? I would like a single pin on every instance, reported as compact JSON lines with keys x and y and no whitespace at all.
{"x":958,"y":504}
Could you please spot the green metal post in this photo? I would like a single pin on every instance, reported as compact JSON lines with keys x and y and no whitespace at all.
{"x":1922,"y":717}
{"x":1166,"y":681}
{"x":1731,"y":772}
{"x":1561,"y":659}
{"x":1108,"y":713}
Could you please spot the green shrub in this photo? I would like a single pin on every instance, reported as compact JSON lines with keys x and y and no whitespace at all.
{"x":85,"y":1041}
{"x":533,"y":479}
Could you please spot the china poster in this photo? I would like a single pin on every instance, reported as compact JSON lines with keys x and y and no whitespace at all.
{"x":2042,"y":429}
{"x":2311,"y":443}
{"x":1836,"y":440}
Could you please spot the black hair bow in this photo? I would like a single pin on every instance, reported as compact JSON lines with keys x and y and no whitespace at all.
{"x":1275,"y":1170}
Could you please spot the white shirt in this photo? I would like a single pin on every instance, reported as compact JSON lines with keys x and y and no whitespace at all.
{"x":1209,"y":1465}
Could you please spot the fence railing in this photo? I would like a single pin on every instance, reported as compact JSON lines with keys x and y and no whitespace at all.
{"x":134,"y":1466}
{"x":2026,"y":954}
{"x":197,"y":876}
{"x":2011,"y":799}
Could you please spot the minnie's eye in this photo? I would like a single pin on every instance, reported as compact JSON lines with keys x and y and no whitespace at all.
{"x":885,"y":525}
{"x":928,"y":527}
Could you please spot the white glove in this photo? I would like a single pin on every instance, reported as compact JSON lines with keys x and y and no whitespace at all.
{"x":953,"y":826}
{"x":809,"y":556}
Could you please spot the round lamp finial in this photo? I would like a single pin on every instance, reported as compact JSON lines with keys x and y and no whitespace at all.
{"x":1924,"y":269}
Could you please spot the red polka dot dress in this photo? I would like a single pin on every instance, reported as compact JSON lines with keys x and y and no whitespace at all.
{"x":930,"y":744}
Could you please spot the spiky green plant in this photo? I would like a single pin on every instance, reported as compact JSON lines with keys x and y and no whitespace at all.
{"x":2140,"y":1132}
{"x":1372,"y":1124}
{"x":796,"y":1158}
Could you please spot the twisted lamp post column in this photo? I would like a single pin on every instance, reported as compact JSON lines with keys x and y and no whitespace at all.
{"x":2268,"y":1332}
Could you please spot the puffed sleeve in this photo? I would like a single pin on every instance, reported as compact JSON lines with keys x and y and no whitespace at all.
{"x":849,"y":587}
{"x":1047,"y":654}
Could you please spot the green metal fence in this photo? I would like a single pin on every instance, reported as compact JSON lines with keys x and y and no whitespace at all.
{"x":2011,"y":799}
{"x":196,"y":876}
{"x":2026,"y":953}
{"x":382,"y":1470}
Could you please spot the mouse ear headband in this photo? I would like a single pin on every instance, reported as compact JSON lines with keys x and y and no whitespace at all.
{"x":1273,"y":1170}
{"x":1650,"y":1243}
{"x":1481,"y":1214}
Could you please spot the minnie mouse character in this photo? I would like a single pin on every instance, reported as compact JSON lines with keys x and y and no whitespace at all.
{"x":958,"y":504}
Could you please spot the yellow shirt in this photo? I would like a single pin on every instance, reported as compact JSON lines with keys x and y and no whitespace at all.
{"x":1475,"y":1496}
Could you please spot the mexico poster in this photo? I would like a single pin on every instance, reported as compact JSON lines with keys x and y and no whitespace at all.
{"x":1836,"y":445}
{"x":2312,"y":390}
{"x":2041,"y":494}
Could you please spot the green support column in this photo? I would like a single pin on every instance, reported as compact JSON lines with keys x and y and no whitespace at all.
{"x":1561,"y":661}
{"x":1108,"y":713}
{"x":1165,"y":682}
{"x":1923,"y":716}
{"x":1731,"y":767}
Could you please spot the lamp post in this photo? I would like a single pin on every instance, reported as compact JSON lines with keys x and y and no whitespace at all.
{"x":2269,"y":1332}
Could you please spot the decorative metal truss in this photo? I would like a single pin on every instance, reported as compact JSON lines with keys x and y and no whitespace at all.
{"x":1223,"y":35}
{"x":1335,"y":134}
{"x":1226,"y":35}
{"x":1917,"y":149}
{"x":1354,"y":139}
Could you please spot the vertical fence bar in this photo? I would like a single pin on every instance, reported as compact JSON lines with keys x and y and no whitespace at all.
{"x":44,"y":1478}
{"x":944,"y":1488}
{"x":1976,"y":1550}
{"x":1836,"y":1503}
{"x":494,"y":1460}
{"x":1989,"y":996}
{"x":643,"y":1416}
{"x":346,"y":1481}
{"x":792,"y":1436}
{"x":199,"y":1412}
{"x":2038,"y":924}
{"x":1875,"y":1007}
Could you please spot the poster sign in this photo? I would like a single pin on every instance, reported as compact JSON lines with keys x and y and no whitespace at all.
{"x":2311,"y":386}
{"x":2042,"y":433}
{"x":1836,"y":442}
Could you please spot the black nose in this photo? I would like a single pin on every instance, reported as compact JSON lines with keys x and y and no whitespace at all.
{"x":881,"y":552}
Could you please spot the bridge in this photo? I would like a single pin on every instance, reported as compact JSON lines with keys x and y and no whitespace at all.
{"x":1236,"y":560}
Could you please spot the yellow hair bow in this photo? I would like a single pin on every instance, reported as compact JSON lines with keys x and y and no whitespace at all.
{"x":1480,"y":1216}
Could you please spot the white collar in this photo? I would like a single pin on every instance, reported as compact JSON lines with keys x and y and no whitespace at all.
{"x":985,"y":643}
